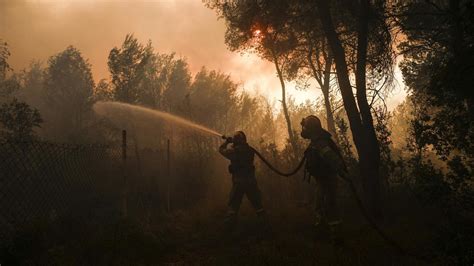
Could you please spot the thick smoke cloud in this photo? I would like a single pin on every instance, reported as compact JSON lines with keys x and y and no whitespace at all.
{"x":37,"y":29}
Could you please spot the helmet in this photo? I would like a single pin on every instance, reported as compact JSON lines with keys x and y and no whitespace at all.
{"x":310,"y":126}
{"x":239,"y":137}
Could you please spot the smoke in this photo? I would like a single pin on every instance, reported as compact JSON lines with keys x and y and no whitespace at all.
{"x":41,"y":28}
{"x":37,"y":29}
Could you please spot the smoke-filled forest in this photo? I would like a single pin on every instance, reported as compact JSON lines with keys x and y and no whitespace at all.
{"x":166,"y":158}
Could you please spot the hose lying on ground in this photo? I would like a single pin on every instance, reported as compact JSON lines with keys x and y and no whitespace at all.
{"x":363,"y":210}
{"x":374,"y":225}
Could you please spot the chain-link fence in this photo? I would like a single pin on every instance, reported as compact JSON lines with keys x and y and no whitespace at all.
{"x":42,"y":180}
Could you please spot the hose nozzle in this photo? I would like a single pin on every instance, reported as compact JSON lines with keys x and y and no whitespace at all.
{"x":228,"y":139}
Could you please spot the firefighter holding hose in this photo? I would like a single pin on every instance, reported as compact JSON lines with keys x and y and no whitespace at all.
{"x":323,"y":162}
{"x":242,"y":169}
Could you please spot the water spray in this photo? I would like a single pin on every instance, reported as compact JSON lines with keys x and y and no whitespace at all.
{"x":118,"y":110}
{"x":115,"y":108}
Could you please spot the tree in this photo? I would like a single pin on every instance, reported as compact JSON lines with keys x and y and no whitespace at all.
{"x":372,"y":54}
{"x":4,"y":54}
{"x":268,"y":27}
{"x":32,"y":85}
{"x":252,"y":28}
{"x":179,"y":82}
{"x":141,"y":76}
{"x":18,"y":120}
{"x":128,"y":68}
{"x":7,"y":85}
{"x":69,"y":90}
{"x":322,"y":75}
{"x":437,"y":68}
{"x":103,"y":91}
{"x":212,"y":100}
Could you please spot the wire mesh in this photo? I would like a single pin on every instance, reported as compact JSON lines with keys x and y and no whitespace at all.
{"x":41,"y":180}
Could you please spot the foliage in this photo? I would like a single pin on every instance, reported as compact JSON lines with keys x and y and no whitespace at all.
{"x":68,"y":86}
{"x":103,"y":91}
{"x":444,"y":183}
{"x":437,"y":57}
{"x":18,"y":120}
{"x":4,"y":54}
{"x":141,"y":76}
{"x":344,"y":143}
{"x":387,"y":164}
{"x":177,"y":86}
{"x":128,"y":66}
{"x":7,"y":85}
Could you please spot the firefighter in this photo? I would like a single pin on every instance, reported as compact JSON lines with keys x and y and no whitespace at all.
{"x":242,"y":169}
{"x":323,"y":162}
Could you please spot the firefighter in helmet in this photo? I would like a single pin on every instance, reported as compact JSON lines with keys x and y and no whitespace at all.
{"x":242,"y":169}
{"x":323,"y":162}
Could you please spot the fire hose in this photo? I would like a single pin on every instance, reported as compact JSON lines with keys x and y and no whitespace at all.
{"x":267,"y":163}
{"x":363,"y":210}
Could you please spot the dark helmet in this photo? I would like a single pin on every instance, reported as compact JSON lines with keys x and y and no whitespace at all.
{"x":239,"y":137}
{"x":310,"y":126}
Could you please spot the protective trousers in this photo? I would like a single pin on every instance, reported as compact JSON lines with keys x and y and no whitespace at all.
{"x":245,"y":186}
{"x":326,"y":201}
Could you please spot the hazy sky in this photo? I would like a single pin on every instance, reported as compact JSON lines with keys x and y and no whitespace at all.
{"x":37,"y":29}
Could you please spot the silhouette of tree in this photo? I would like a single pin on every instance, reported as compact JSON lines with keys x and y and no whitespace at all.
{"x":69,"y":90}
{"x":359,"y":39}
{"x":103,"y":91}
{"x":438,"y":55}
{"x":18,"y":120}
{"x":128,"y":68}
{"x":179,"y":82}
{"x":212,"y":99}
{"x":250,"y":27}
{"x":7,"y":85}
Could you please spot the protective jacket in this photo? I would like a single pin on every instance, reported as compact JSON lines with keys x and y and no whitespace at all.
{"x":323,"y":158}
{"x":241,"y":158}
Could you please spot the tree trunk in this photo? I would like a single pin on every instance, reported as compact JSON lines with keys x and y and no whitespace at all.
{"x":291,"y":134}
{"x":363,"y":141}
{"x":370,"y":163}
{"x":324,"y":84}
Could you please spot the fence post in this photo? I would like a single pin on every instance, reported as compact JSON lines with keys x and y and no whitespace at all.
{"x":168,"y":174}
{"x":124,"y":164}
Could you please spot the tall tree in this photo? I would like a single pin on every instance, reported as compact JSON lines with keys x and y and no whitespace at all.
{"x":356,"y":18}
{"x":251,"y":28}
{"x":7,"y":85}
{"x":437,"y":68}
{"x":69,"y":89}
{"x":212,"y":99}
{"x":340,"y":24}
{"x":129,"y":65}
{"x":103,"y":91}
{"x":177,"y":86}
{"x":18,"y":121}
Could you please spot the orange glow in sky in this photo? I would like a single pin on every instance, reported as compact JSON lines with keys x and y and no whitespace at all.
{"x":37,"y":29}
